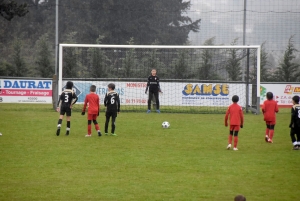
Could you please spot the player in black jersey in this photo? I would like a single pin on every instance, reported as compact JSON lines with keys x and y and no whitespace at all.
{"x":154,"y":88}
{"x":295,"y":123}
{"x":66,"y":100}
{"x":112,"y":104}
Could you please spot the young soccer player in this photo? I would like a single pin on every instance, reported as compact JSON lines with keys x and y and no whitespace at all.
{"x":112,"y":104}
{"x":154,"y":89}
{"x":295,"y":123}
{"x":66,"y":100}
{"x":236,"y":121}
{"x":92,"y":100}
{"x":269,"y":109}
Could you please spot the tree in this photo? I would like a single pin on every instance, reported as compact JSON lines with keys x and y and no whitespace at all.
{"x":19,"y":66}
{"x":44,"y":57}
{"x":130,"y":61}
{"x":233,"y":65}
{"x":9,"y":9}
{"x":264,"y":75}
{"x":181,"y":65}
{"x":288,"y":70}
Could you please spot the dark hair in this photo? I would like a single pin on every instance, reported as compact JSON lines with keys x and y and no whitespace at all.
{"x":269,"y":95}
{"x":239,"y":198}
{"x":235,"y":99}
{"x":93,"y":88}
{"x":111,"y":86}
{"x":69,"y":85}
{"x":296,"y":99}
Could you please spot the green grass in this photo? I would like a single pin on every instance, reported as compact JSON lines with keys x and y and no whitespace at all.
{"x":189,"y":161}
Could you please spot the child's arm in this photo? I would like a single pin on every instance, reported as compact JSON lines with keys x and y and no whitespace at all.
{"x":158,"y":86}
{"x":242,"y":118}
{"x":292,"y":118}
{"x":276,"y":108}
{"x":226,"y":117}
{"x":118,"y":102}
{"x":74,"y":99}
{"x":105,"y":100}
{"x":148,"y":84}
{"x":263,"y":108}
{"x":60,"y":101}
{"x":84,"y":106}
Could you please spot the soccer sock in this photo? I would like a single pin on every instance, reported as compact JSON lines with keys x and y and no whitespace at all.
{"x":59,"y":123}
{"x":229,"y":139}
{"x":68,"y":125}
{"x":267,"y":131}
{"x":89,"y":129}
{"x":235,"y":141}
{"x":271,"y":134}
{"x":97,"y":127}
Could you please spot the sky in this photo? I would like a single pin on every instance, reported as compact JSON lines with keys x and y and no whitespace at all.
{"x":269,"y":21}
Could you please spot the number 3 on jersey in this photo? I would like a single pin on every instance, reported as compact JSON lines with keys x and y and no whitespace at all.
{"x":66,"y":98}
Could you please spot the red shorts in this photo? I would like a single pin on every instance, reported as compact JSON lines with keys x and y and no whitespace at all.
{"x":92,"y":116}
{"x":234,"y":128}
{"x":270,"y":122}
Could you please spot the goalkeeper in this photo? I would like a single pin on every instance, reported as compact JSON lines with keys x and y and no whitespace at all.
{"x":154,"y":88}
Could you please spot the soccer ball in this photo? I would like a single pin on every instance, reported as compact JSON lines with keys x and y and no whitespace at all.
{"x":165,"y":124}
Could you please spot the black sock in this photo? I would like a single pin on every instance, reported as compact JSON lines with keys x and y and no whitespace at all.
{"x":59,"y":121}
{"x":68,"y":124}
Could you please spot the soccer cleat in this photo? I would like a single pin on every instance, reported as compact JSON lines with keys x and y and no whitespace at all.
{"x":295,"y":147}
{"x":229,"y":146}
{"x":158,"y":111}
{"x":99,"y":134}
{"x":235,"y":149}
{"x":270,"y":141}
{"x":58,"y":131}
{"x":67,"y":133}
{"x":148,"y":111}
{"x":113,"y":134}
{"x":267,"y":138}
{"x":88,"y":135}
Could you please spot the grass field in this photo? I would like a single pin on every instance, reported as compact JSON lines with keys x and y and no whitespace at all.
{"x":189,"y":161}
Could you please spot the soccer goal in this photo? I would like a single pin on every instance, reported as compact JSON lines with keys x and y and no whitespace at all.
{"x":193,"y":79}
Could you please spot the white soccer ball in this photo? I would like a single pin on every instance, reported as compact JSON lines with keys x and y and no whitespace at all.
{"x":165,"y":124}
{"x":0,"y":134}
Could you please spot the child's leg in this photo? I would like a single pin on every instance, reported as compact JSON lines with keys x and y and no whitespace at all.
{"x":298,"y":136}
{"x":89,"y":127}
{"x":68,"y":125}
{"x":97,"y":127}
{"x":235,"y":139}
{"x":157,"y":100}
{"x":106,"y":123}
{"x":113,"y":124}
{"x":267,"y":131}
{"x":293,"y":138}
{"x":59,"y":124}
{"x":229,"y":139}
{"x":149,"y":99}
{"x":272,"y":131}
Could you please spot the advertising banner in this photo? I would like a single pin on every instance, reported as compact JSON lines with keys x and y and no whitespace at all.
{"x":174,"y":94}
{"x":25,"y":91}
{"x":283,"y":93}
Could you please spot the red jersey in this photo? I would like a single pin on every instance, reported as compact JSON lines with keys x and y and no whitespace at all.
{"x":269,"y":108}
{"x":236,"y":115}
{"x":93,"y":100}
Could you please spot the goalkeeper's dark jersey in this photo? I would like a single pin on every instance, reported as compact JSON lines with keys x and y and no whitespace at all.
{"x":112,"y":102}
{"x":67,"y":98}
{"x":153,"y":84}
{"x":295,"y":119}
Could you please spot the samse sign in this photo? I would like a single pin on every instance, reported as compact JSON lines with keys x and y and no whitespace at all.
{"x":25,"y":91}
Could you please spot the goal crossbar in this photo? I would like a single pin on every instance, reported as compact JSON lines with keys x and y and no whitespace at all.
{"x":257,"y":47}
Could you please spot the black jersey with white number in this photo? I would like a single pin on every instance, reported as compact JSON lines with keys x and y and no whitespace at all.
{"x":112,"y":102}
{"x":67,"y":98}
{"x":295,"y":120}
{"x":153,"y":83}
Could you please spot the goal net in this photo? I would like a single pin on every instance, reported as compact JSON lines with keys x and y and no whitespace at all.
{"x":193,"y":79}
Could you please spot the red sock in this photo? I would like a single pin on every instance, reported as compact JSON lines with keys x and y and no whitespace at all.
{"x":271,"y":134}
{"x":235,"y":141}
{"x":229,"y":139}
{"x":89,"y":129}
{"x":267,"y":131}
{"x":97,"y":127}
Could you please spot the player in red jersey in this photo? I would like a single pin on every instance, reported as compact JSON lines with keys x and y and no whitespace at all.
{"x":93,"y":100}
{"x":236,"y":121}
{"x":269,"y":109}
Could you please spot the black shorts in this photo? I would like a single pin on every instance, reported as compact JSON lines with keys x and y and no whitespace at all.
{"x":65,"y":109}
{"x":111,"y":114}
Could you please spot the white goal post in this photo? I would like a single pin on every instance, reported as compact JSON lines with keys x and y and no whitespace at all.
{"x":257,"y":47}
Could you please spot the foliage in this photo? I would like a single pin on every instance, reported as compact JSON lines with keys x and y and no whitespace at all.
{"x":233,"y":65}
{"x":19,"y":68}
{"x":264,"y":74}
{"x":288,"y":70}
{"x":9,"y":9}
{"x":44,"y":57}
